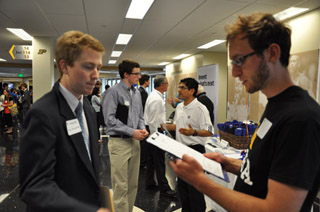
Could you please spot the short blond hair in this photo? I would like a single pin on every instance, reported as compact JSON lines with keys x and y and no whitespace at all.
{"x":72,"y":43}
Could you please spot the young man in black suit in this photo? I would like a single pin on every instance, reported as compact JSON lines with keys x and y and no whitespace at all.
{"x":58,"y":165}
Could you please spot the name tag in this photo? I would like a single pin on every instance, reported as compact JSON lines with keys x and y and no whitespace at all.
{"x":126,"y":103}
{"x":73,"y":127}
{"x":264,"y":128}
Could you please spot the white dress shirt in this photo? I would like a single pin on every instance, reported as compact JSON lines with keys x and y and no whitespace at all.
{"x":73,"y":103}
{"x":155,"y":111}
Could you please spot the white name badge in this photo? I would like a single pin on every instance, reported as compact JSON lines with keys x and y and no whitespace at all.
{"x":126,"y":103}
{"x":73,"y":127}
{"x":264,"y":128}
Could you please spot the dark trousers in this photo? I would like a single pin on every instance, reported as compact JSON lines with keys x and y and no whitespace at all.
{"x":143,"y":153}
{"x":156,"y":163}
{"x":8,"y":120}
{"x":191,"y":199}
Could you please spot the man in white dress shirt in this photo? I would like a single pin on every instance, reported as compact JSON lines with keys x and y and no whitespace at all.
{"x":154,"y":116}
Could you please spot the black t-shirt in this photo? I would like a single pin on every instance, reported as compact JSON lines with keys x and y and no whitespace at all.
{"x":285,"y":147}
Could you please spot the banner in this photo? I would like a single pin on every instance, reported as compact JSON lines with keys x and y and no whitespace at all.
{"x":208,"y":77}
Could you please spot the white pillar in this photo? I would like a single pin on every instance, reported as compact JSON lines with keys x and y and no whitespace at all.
{"x":42,"y":66}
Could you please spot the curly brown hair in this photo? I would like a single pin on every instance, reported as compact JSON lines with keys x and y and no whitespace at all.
{"x":261,"y":30}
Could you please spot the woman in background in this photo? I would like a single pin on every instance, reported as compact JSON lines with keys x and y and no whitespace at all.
{"x":8,"y":101}
{"x":96,"y":103}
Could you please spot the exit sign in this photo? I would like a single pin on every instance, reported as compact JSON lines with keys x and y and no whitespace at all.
{"x":20,"y":75}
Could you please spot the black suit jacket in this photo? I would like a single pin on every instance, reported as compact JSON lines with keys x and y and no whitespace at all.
{"x":55,"y":171}
{"x":204,"y":99}
{"x":25,"y":100}
{"x":144,"y":96}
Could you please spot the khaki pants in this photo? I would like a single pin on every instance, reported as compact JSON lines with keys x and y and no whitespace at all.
{"x":125,"y":162}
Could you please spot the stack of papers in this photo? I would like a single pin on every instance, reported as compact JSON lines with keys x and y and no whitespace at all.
{"x":178,"y":150}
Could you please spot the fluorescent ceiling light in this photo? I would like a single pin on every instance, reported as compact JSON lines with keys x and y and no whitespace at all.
{"x":20,"y":33}
{"x":123,"y":39}
{"x":112,"y":61}
{"x":138,"y":8}
{"x":163,"y":63}
{"x":2,"y":59}
{"x":181,"y":56}
{"x":109,"y":72}
{"x":292,"y":11}
{"x":116,"y":53}
{"x":211,"y":44}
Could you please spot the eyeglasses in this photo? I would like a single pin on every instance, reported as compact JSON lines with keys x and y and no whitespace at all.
{"x":135,"y":74}
{"x":240,"y":60}
{"x":182,"y":87}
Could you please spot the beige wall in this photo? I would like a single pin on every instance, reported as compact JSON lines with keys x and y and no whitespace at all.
{"x":305,"y":32}
{"x":306,"y":36}
{"x":188,"y":68}
{"x":221,"y":59}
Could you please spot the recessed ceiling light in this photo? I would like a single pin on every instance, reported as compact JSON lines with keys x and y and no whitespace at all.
{"x":20,"y":33}
{"x":138,"y":8}
{"x":163,"y":63}
{"x":211,"y":44}
{"x":123,"y":39}
{"x":112,"y":61}
{"x":292,"y":11}
{"x":181,"y":56}
{"x":2,"y":59}
{"x":116,"y":53}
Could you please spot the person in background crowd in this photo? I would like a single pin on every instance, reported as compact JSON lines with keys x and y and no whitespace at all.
{"x":4,"y":87}
{"x":144,"y":82}
{"x":96,"y":104}
{"x":154,"y":116}
{"x":106,"y":87}
{"x":1,"y":112}
{"x":103,"y":95}
{"x":123,"y":116}
{"x":281,"y":170}
{"x":31,"y":94}
{"x":7,"y":102}
{"x":59,"y":160}
{"x":175,"y":101}
{"x":206,"y":101}
{"x":14,"y":95}
{"x":25,"y":99}
{"x":192,"y":125}
{"x":98,"y":84}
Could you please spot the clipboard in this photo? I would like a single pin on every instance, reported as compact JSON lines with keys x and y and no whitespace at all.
{"x":178,"y":149}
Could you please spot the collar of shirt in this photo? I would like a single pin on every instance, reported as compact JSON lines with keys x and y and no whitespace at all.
{"x":70,"y":98}
{"x":125,"y":86}
{"x":191,"y":104}
{"x":142,"y":88}
{"x":158,"y":92}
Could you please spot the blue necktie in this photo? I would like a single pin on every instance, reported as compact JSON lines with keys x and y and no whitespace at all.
{"x":83,"y":130}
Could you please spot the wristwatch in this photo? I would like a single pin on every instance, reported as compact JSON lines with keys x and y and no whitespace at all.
{"x":195,"y":133}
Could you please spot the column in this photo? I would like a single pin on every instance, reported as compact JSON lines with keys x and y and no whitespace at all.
{"x":42,"y":66}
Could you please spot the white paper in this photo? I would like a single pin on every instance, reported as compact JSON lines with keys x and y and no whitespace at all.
{"x":73,"y":126}
{"x":264,"y":128}
{"x":178,"y":149}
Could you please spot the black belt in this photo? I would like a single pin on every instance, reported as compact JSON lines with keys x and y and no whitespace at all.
{"x":120,"y":136}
